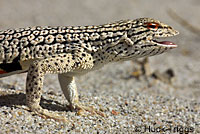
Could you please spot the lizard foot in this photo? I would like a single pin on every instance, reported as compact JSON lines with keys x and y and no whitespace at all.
{"x":44,"y":113}
{"x":82,"y":109}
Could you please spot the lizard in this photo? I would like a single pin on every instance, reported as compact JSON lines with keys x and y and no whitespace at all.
{"x":70,"y":51}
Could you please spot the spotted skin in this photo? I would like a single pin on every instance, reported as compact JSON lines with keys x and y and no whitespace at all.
{"x":71,"y":51}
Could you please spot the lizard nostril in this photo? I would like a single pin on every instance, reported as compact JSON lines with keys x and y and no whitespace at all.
{"x":169,"y":27}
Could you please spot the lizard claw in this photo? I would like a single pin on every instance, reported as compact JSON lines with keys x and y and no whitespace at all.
{"x":80,"y":109}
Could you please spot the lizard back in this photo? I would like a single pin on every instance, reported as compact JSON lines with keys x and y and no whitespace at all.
{"x":118,"y":41}
{"x":31,"y":43}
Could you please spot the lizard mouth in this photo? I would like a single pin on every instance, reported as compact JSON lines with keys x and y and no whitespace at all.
{"x":166,"y":44}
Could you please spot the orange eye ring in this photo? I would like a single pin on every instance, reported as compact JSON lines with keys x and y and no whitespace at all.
{"x":152,"y":25}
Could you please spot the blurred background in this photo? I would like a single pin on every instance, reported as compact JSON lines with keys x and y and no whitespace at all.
{"x":23,"y":13}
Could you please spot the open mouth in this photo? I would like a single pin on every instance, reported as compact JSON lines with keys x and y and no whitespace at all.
{"x":166,"y":44}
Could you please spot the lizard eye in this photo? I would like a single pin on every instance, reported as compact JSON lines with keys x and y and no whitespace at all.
{"x":152,"y":25}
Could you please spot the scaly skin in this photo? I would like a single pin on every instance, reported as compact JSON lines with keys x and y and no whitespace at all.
{"x":71,"y":51}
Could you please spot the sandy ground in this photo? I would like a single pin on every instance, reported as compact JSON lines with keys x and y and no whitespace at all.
{"x":130,"y":104}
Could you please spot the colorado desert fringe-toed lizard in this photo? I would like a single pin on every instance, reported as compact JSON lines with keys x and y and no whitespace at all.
{"x":76,"y":50}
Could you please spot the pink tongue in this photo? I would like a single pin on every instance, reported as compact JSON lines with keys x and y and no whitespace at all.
{"x":167,"y":43}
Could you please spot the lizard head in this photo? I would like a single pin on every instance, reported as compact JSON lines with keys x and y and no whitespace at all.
{"x":142,"y":38}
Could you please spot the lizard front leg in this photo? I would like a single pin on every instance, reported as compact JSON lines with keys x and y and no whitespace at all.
{"x":34,"y":86}
{"x":68,"y":86}
{"x":69,"y":89}
{"x":35,"y":76}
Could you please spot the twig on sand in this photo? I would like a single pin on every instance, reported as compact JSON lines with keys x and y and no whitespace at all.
{"x":183,"y":22}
